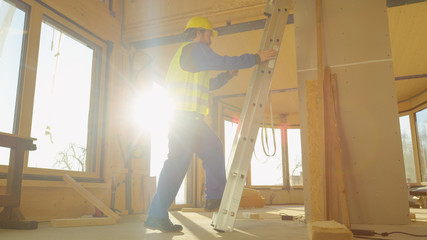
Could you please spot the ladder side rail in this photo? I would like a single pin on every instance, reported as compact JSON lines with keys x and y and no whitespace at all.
{"x":252,"y":89}
{"x":252,"y":113}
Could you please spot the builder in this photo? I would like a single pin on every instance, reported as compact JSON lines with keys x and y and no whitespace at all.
{"x":188,"y":84}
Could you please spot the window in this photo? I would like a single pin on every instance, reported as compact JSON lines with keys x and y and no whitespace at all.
{"x":413,"y":128}
{"x":62,"y":100}
{"x":294,"y":157}
{"x":267,"y":160}
{"x":13,"y":22}
{"x":421,"y":125}
{"x":266,"y":170}
{"x":408,"y":152}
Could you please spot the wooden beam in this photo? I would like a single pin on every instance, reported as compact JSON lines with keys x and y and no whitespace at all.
{"x":81,"y":222}
{"x":194,"y":210}
{"x":91,"y":198}
{"x":316,"y":164}
{"x":335,"y":184}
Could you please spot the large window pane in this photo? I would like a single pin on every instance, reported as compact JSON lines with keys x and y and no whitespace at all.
{"x":12,"y":32}
{"x":421,"y":119}
{"x":408,"y":150}
{"x":294,"y":157}
{"x":62,"y":101}
{"x":267,"y":170}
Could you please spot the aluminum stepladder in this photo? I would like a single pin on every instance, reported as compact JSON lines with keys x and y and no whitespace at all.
{"x":277,"y":12}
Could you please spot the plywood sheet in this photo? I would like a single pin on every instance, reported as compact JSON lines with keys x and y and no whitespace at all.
{"x":374,"y":171}
{"x":316,"y":161}
{"x":371,"y":144}
{"x":349,"y":37}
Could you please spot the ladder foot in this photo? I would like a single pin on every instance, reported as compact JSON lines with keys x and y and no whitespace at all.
{"x":219,"y":230}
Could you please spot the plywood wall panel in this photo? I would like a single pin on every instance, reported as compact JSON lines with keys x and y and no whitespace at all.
{"x":355,"y":32}
{"x":372,"y":151}
{"x":356,"y":48}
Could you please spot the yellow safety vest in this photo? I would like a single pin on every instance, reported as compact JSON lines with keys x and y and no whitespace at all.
{"x":189,"y":91}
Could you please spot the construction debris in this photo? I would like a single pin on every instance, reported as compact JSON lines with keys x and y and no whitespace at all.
{"x":328,"y":230}
{"x":251,"y":198}
{"x":251,"y":215}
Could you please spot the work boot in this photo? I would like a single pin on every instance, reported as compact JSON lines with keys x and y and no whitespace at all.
{"x":212,"y":204}
{"x":162,"y":224}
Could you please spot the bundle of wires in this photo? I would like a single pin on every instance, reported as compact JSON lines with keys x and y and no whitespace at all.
{"x":367,"y":234}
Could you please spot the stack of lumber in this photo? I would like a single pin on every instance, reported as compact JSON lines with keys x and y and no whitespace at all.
{"x":251,"y":199}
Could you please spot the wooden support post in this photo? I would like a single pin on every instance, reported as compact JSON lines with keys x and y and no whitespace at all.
{"x":11,"y":216}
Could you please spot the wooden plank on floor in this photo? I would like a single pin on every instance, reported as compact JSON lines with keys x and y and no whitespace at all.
{"x":91,"y":198}
{"x":81,"y":222}
{"x":194,"y":210}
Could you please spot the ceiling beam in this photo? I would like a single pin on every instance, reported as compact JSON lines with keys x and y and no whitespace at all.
{"x":396,"y":3}
{"x":238,"y":28}
{"x":225,"y":30}
{"x":411,"y":77}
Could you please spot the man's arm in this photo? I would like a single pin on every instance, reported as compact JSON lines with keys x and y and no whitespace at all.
{"x":220,"y":80}
{"x":200,"y":57}
{"x":206,"y":59}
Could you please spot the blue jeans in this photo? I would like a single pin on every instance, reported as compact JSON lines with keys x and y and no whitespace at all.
{"x":189,"y":134}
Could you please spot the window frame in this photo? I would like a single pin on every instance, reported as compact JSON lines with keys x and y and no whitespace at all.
{"x":22,"y":5}
{"x":296,"y":126}
{"x":415,"y":141}
{"x":19,"y":92}
{"x":285,"y":161}
{"x":249,"y":177}
{"x":37,"y":14}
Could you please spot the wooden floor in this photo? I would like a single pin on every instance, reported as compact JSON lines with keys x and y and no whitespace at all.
{"x":197,"y":227}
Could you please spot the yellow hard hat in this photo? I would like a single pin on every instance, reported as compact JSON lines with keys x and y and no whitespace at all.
{"x":201,"y":22}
